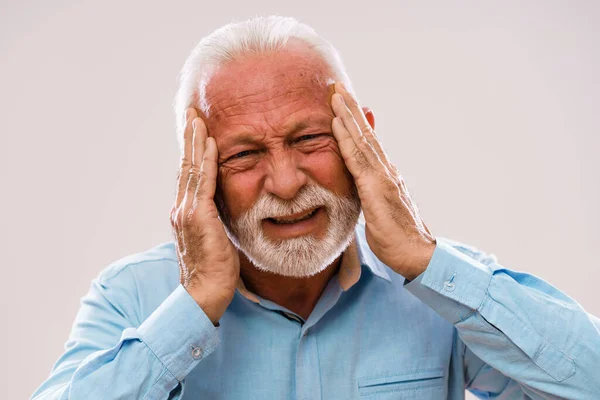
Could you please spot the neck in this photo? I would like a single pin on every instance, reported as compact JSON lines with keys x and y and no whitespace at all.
{"x":299,"y":295}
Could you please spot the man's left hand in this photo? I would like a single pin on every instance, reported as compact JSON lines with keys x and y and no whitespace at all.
{"x":395,"y":231}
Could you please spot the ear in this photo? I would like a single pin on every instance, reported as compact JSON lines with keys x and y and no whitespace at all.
{"x":370,"y":116}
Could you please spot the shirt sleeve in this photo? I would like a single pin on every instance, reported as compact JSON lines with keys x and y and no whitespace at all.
{"x":520,"y":332}
{"x":110,"y":355}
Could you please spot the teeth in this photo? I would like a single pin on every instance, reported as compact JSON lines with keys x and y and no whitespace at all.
{"x":292,"y":221}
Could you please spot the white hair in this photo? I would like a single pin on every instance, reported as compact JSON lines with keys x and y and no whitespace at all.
{"x":257,"y":35}
{"x":302,"y":256}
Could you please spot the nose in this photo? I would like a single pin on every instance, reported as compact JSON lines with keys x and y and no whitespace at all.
{"x":284,"y":178}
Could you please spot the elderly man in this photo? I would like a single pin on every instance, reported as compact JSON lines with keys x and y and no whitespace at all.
{"x":272,"y":289}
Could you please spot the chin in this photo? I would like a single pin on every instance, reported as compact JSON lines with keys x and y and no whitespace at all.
{"x":298,"y":238}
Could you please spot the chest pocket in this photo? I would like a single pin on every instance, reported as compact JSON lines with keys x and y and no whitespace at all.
{"x":423,"y":384}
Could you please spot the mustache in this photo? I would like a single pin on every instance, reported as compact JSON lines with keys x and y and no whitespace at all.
{"x":271,"y":206}
{"x":308,"y":198}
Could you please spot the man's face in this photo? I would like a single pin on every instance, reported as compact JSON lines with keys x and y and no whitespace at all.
{"x":271,"y":118}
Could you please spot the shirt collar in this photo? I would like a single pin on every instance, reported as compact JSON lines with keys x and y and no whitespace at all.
{"x":354,"y":257}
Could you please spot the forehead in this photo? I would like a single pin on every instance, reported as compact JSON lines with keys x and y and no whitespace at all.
{"x":269,"y":92}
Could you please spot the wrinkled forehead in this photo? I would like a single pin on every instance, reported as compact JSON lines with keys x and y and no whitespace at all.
{"x":268,"y":85}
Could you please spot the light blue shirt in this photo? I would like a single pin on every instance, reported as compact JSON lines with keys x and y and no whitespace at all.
{"x":467,"y":322}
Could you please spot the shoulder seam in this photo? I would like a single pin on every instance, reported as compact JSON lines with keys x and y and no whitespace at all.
{"x":121,"y":268}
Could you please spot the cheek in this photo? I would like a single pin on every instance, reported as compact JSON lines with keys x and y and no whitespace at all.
{"x":327,"y":168}
{"x":240,"y":190}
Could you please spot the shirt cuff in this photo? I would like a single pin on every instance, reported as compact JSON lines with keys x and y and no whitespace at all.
{"x":453,"y":284}
{"x":179,"y":333}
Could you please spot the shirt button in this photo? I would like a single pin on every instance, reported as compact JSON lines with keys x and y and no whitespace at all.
{"x":449,"y":286}
{"x":196,"y":352}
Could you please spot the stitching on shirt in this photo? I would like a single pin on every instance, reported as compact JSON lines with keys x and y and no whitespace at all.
{"x":543,"y":343}
{"x":466,"y":317}
{"x":123,"y":313}
{"x":462,"y":299}
{"x":539,"y":350}
{"x":164,"y":371}
{"x":154,"y":354}
{"x":518,"y":318}
{"x":487,"y":291}
{"x":453,"y":296}
{"x":137,"y":298}
{"x":121,"y":268}
{"x":206,"y":350}
{"x":318,"y":363}
{"x":398,"y":390}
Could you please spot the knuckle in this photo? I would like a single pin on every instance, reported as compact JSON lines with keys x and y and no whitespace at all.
{"x":364,"y":143}
{"x":192,"y":181}
{"x":175,"y":218}
{"x":186,"y":163}
{"x":366,"y":128}
{"x":361,"y":161}
{"x":201,"y":183}
{"x":188,"y":218}
{"x":386,"y":182}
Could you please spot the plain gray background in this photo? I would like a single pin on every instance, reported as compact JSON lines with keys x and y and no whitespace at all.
{"x":489,"y":109}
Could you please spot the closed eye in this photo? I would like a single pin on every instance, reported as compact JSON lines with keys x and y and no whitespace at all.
{"x":306,"y":137}
{"x":242,"y":154}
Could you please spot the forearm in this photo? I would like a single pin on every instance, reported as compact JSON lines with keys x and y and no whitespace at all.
{"x":128,"y":370}
{"x":147,"y":362}
{"x":516,"y":323}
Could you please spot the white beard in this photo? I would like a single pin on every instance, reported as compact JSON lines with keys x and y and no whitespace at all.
{"x":302,"y":256}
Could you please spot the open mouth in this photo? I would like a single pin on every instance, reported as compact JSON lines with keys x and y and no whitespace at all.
{"x":293,"y":219}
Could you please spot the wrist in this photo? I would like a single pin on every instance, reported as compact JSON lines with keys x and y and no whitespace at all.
{"x":212,"y":304}
{"x":421,"y":262}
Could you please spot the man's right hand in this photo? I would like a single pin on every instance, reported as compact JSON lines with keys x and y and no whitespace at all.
{"x":208,"y":262}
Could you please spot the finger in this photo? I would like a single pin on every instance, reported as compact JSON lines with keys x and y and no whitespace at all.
{"x":186,"y":156}
{"x":354,"y":159}
{"x":199,"y":141}
{"x":342,"y":111}
{"x":363,"y":122}
{"x":354,"y":108}
{"x":187,"y":207}
{"x":209,"y":170}
{"x":199,"y":137}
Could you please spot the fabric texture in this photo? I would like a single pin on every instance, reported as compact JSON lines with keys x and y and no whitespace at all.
{"x":467,"y":322}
